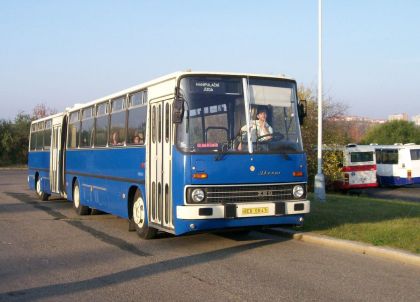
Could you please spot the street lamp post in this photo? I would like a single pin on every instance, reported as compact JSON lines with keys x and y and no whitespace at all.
{"x":319,"y":177}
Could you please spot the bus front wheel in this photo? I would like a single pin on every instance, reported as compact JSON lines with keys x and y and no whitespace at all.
{"x":139,"y":218}
{"x":78,"y":207}
{"x":41,"y":195}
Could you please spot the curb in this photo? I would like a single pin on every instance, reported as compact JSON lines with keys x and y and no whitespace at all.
{"x":357,"y":247}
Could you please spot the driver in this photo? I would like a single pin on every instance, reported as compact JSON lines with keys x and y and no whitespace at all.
{"x":259,"y":128}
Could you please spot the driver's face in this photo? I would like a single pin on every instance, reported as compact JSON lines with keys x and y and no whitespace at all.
{"x":262,"y":116}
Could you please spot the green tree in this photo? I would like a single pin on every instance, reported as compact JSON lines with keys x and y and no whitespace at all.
{"x":393,"y":132}
{"x":334,"y":133}
{"x":14,"y":135}
{"x":14,"y":140}
{"x":22,"y":124}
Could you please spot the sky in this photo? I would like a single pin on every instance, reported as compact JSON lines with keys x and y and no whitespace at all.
{"x":60,"y":53}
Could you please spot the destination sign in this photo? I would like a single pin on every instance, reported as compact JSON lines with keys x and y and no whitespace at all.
{"x":214,"y":86}
{"x":207,"y":86}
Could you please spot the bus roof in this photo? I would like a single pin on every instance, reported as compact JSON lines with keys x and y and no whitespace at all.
{"x":348,"y":148}
{"x":398,"y":146}
{"x":47,"y":117}
{"x":167,"y":77}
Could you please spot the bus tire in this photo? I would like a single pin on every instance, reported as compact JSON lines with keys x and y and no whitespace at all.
{"x":139,"y":218}
{"x":41,"y":195}
{"x":78,"y":207}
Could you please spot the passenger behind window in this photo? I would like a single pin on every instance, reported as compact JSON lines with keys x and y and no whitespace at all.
{"x":138,"y":139}
{"x":115,"y":139}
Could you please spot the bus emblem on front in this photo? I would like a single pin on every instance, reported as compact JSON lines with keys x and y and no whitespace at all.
{"x":265,"y":193}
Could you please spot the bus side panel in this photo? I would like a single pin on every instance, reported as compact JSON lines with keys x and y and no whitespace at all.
{"x":397,"y":181}
{"x":39,"y":162}
{"x":105,"y":176}
{"x":181,"y":175}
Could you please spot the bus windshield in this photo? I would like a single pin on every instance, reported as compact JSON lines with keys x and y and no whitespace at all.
{"x":218,"y":118}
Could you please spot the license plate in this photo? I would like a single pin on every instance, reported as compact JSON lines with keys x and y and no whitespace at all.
{"x":253,"y":211}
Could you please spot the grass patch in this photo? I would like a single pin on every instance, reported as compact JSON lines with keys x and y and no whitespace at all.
{"x":375,"y":221}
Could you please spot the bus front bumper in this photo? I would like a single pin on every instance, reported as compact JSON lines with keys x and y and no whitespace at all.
{"x":243,"y":210}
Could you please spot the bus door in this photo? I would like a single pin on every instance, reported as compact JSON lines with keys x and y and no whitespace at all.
{"x":160,"y":163}
{"x":55,"y":156}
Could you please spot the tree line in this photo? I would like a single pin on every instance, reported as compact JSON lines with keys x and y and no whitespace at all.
{"x":14,"y":136}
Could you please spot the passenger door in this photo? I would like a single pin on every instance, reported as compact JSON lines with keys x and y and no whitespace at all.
{"x":159,"y":164}
{"x":56,"y":156}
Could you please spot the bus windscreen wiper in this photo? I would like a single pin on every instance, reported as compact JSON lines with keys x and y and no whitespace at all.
{"x":221,"y":152}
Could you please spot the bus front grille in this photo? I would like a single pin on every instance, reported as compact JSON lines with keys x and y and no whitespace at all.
{"x":249,"y":193}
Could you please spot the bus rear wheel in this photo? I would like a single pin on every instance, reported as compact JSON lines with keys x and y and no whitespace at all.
{"x":78,"y":207}
{"x":41,"y":195}
{"x":139,"y":218}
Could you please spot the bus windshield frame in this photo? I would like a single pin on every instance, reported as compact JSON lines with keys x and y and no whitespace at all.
{"x":234,"y":114}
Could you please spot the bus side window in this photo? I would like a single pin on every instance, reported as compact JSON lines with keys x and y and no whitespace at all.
{"x":33,"y":137}
{"x":118,"y":114}
{"x":415,"y":154}
{"x":40,"y":136}
{"x":101,"y":125}
{"x":73,"y":130}
{"x":47,"y":134}
{"x":378,"y":156}
{"x":86,"y":128}
{"x":136,"y":119}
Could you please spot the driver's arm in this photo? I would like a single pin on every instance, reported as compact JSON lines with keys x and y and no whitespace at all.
{"x":268,"y":130}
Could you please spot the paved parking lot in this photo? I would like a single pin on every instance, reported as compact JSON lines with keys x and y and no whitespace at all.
{"x":407,"y":193}
{"x":48,"y":253}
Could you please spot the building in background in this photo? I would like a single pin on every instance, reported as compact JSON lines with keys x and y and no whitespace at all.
{"x":398,"y":117}
{"x":416,"y":120}
{"x":356,"y":126}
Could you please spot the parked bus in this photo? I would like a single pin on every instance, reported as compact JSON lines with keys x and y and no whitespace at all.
{"x":358,"y":168}
{"x":398,"y":165}
{"x":186,"y":152}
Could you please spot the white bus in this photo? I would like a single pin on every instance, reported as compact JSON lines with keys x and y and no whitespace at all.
{"x":398,"y":165}
{"x":359,"y":167}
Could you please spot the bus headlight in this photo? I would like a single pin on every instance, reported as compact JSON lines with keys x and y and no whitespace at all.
{"x":197,"y":195}
{"x":298,"y":191}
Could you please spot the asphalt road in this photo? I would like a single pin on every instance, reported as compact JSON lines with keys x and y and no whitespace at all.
{"x":407,"y":193}
{"x":48,"y":253}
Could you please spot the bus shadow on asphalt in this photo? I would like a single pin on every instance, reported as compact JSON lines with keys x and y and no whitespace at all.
{"x":256,"y":240}
{"x":102,"y":236}
{"x":60,"y":289}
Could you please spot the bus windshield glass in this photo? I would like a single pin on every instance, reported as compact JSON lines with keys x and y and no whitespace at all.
{"x":218,"y":118}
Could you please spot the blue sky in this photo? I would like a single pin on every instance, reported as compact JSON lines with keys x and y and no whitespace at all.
{"x":66,"y":52}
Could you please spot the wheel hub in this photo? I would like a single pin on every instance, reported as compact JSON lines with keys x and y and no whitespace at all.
{"x":138,"y":212}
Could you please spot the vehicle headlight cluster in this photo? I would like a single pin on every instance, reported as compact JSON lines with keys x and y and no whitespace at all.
{"x":197,"y":195}
{"x":298,"y":191}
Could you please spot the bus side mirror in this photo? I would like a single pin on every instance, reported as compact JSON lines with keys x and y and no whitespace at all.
{"x":178,"y":110}
{"x":301,"y":111}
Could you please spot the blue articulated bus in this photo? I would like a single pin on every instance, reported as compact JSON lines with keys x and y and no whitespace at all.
{"x":187,"y":152}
